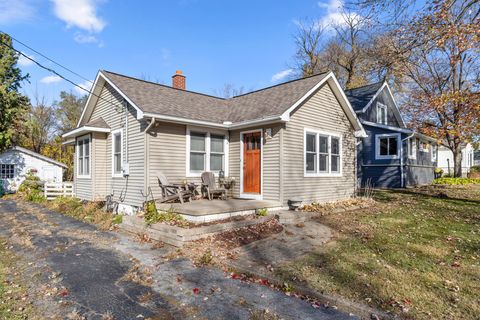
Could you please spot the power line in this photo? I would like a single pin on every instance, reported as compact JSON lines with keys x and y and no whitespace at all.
{"x":49,"y":59}
{"x":58,"y":74}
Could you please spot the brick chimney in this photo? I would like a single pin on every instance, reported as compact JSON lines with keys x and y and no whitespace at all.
{"x":178,"y":80}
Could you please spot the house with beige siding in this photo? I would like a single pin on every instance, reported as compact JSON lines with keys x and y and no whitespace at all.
{"x":295,"y":140}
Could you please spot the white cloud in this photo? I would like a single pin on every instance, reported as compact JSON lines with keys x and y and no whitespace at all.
{"x":50,"y":79}
{"x":88,"y":38}
{"x":87,"y":85}
{"x":334,"y":13}
{"x":79,"y":13}
{"x":23,"y":61}
{"x":282,"y":75}
{"x":12,"y":11}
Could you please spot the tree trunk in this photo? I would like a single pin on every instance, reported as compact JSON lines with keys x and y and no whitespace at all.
{"x":457,"y":162}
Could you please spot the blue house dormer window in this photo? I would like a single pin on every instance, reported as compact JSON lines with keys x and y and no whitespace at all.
{"x":381,"y":113}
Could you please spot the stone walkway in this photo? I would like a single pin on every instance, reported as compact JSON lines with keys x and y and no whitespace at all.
{"x":294,"y":241}
{"x":99,"y":274}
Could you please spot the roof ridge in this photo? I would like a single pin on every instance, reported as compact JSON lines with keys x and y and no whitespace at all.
{"x":164,"y":86}
{"x":367,"y":85}
{"x":279,"y":84}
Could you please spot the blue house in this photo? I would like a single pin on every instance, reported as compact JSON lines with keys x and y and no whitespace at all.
{"x":392,"y":156}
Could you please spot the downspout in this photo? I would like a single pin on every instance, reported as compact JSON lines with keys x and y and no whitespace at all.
{"x":401,"y":159}
{"x":146,"y":151}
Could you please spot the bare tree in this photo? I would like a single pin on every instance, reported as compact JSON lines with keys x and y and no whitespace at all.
{"x":229,"y":90}
{"x":40,"y":125}
{"x":308,"y":41}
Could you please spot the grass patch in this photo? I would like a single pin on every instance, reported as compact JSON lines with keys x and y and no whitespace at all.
{"x":13,"y":294}
{"x":416,"y":253}
{"x":456,"y":181}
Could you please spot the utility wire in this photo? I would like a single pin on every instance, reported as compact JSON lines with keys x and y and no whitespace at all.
{"x":59,"y":75}
{"x":44,"y":56}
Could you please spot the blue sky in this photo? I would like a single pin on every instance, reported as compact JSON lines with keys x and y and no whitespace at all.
{"x":245,"y":43}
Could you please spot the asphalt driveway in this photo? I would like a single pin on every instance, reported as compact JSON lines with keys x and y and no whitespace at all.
{"x":75,"y":270}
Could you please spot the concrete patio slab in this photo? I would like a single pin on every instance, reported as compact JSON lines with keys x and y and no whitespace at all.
{"x":211,"y":210}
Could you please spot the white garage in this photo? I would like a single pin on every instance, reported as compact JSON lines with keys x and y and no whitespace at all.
{"x":16,"y":162}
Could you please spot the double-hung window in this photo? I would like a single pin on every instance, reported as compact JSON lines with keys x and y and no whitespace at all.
{"x":387,"y":146}
{"x":198,"y":152}
{"x":83,"y":158}
{"x":382,"y":114}
{"x":322,"y":153}
{"x":7,"y":171}
{"x":117,"y":153}
{"x":424,"y":147}
{"x":206,"y":152}
{"x":434,"y":153}
{"x":217,"y":153}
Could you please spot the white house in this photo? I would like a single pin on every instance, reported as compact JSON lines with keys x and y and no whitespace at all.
{"x":16,"y":162}
{"x":445,"y":159}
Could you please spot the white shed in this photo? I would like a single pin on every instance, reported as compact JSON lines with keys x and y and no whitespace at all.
{"x":16,"y":162}
{"x":445,"y":159}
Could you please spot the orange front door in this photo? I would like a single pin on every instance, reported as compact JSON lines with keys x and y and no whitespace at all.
{"x":252,"y":162}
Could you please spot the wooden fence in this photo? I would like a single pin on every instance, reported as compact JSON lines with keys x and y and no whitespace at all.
{"x":51,"y":190}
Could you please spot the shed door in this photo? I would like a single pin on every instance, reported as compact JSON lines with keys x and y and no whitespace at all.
{"x":252,"y":162}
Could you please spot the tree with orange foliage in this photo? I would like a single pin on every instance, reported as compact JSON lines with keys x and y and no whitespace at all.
{"x":439,"y":52}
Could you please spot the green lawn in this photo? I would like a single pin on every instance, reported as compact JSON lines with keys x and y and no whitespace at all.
{"x":416,"y":253}
{"x":13,"y":299}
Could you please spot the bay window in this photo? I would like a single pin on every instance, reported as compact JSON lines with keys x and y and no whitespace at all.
{"x":206,"y":151}
{"x":322,"y":153}
{"x":83,"y":156}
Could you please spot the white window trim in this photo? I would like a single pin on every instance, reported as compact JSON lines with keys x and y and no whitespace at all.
{"x":244,"y":195}
{"x":14,"y":170}
{"x":385,"y":120}
{"x":328,"y":134}
{"x":207,"y":132}
{"x":414,"y":153}
{"x":378,"y":156}
{"x":117,"y":174}
{"x":82,"y":138}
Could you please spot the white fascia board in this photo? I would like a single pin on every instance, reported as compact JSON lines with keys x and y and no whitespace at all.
{"x":338,"y":91}
{"x":239,"y":125}
{"x":395,"y":105}
{"x":140,"y":113}
{"x":68,"y":142}
{"x":373,"y":98}
{"x":172,"y":119}
{"x":89,"y":99}
{"x":383,"y":126}
{"x":83,"y":130}
{"x":94,"y":96}
{"x":350,"y":112}
{"x":245,"y":124}
{"x":422,"y":136}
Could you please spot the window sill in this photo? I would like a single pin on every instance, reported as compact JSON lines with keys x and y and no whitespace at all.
{"x":386,"y":157}
{"x":117,"y":175}
{"x":322,"y":175}
{"x":199,"y":174}
{"x":84,"y":177}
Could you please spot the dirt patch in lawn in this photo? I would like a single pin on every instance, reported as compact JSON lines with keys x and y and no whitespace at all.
{"x":217,"y":248}
{"x":415,"y":254}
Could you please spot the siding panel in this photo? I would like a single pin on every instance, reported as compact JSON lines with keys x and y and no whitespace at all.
{"x":322,"y":112}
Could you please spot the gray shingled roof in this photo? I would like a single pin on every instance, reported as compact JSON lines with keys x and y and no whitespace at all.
{"x":164,"y":100}
{"x":98,"y":123}
{"x":361,"y":96}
